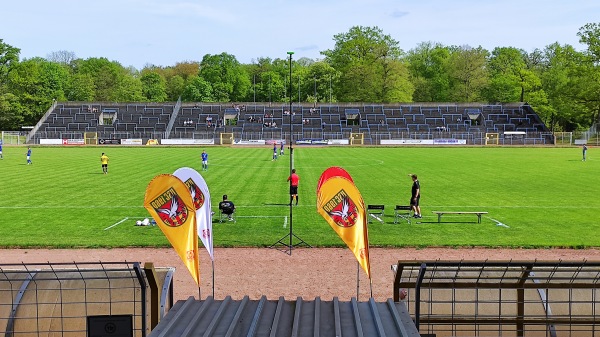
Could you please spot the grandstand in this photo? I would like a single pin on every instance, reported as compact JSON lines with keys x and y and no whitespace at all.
{"x":466,"y":123}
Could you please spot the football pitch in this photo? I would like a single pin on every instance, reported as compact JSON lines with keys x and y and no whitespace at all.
{"x":535,"y":197}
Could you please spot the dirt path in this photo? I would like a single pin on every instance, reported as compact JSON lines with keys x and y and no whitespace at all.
{"x":308,"y":272}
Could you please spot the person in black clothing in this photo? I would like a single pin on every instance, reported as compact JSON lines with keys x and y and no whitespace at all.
{"x":415,"y":196}
{"x":227,"y":207}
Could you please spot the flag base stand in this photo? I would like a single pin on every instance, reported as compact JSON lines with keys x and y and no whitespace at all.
{"x":287,"y":243}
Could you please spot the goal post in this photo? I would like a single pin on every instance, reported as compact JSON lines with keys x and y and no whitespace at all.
{"x":357,"y":138}
{"x":11,"y":138}
{"x":91,"y":138}
{"x":492,"y":138}
{"x":226,"y":138}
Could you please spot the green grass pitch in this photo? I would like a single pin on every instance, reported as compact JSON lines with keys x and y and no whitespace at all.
{"x":536,"y":197}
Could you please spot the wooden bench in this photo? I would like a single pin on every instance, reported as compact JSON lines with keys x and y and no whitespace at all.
{"x":440,"y":213}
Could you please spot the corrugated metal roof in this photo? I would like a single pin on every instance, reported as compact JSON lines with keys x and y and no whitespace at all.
{"x":280,"y":318}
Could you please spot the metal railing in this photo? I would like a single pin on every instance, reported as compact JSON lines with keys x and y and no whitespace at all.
{"x":61,"y":298}
{"x":501,"y":298}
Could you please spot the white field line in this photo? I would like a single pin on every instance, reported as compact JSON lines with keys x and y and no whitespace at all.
{"x":498,"y":223}
{"x":259,"y":216}
{"x":117,"y":223}
{"x":123,"y":220}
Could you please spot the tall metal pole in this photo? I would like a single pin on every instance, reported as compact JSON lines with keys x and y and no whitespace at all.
{"x":291,"y":245}
{"x":254,"y":86}
{"x":291,"y":152}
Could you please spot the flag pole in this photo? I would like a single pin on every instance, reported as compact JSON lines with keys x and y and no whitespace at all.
{"x":213,"y":278}
{"x":357,"y":279}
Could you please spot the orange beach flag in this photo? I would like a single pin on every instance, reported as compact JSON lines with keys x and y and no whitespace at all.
{"x":342,"y":206}
{"x":169,"y":202}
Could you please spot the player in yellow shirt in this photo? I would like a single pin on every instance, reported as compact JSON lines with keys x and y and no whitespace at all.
{"x":104,"y":162}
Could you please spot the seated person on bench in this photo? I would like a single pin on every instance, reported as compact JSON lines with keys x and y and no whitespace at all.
{"x":227,"y":207}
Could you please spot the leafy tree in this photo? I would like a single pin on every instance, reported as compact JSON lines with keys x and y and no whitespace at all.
{"x":154,"y":87}
{"x":320,"y":75}
{"x":36,"y":82}
{"x":268,"y":80}
{"x":369,"y":66}
{"x":107,"y":77}
{"x":511,"y":78}
{"x":197,"y":90}
{"x":467,"y":72}
{"x":590,"y":35}
{"x":226,"y":76}
{"x":175,"y":87}
{"x":428,"y":68}
{"x":9,"y":56}
{"x":80,"y":87}
{"x":129,"y":89}
{"x":11,"y":112}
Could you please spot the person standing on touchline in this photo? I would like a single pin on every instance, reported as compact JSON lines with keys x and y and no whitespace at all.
{"x":294,"y":179}
{"x":415,"y":196}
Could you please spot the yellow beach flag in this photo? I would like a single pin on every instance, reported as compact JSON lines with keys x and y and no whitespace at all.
{"x":342,"y":206}
{"x":169,"y":202}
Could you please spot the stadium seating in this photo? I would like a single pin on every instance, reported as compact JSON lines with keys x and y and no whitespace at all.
{"x":469,"y":121}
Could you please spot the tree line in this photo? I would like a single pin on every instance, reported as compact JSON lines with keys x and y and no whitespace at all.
{"x":365,"y":65}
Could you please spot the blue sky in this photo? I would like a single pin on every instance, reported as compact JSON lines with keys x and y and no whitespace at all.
{"x":162,"y":32}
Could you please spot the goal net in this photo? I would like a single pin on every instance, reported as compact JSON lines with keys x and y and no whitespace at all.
{"x":357,"y":138}
{"x":492,"y":138}
{"x":226,"y":138}
{"x":11,"y":138}
{"x":91,"y":138}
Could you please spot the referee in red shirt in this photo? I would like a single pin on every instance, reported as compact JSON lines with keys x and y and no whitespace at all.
{"x":293,"y":179}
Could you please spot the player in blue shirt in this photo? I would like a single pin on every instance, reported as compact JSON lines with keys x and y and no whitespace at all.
{"x":204,"y":161}
{"x":1,"y":157}
{"x":29,"y":156}
{"x":274,"y":151}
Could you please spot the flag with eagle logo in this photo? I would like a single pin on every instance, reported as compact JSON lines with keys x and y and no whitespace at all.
{"x":342,"y":206}
{"x":199,"y":191}
{"x":169,"y":202}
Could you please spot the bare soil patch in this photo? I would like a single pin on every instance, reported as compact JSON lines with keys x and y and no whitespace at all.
{"x":307,"y":273}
